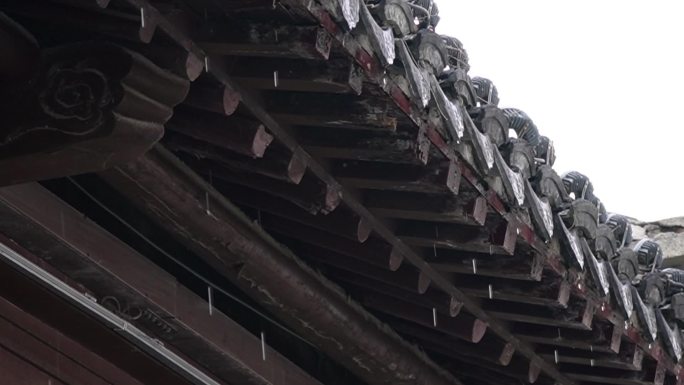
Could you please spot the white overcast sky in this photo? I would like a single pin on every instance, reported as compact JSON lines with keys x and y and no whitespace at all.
{"x":602,"y":79}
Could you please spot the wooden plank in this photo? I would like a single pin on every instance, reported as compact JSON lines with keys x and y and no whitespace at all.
{"x":239,"y":135}
{"x":108,"y":267}
{"x":464,"y":326}
{"x":438,"y":177}
{"x":267,"y":40}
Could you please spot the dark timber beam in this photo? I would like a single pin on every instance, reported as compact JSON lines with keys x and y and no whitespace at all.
{"x":464,"y":326}
{"x":276,"y":163}
{"x":490,"y":348}
{"x":173,"y":196}
{"x":377,"y":269}
{"x":501,"y":239}
{"x":372,"y":251}
{"x":333,"y":76}
{"x":332,"y":110}
{"x":110,"y":269}
{"x":525,"y":292}
{"x":341,"y":222}
{"x":267,"y":40}
{"x":219,"y":99}
{"x":242,"y":136}
{"x":427,"y":207}
{"x":650,"y":376}
{"x":311,"y":194}
{"x":86,"y":119}
{"x":438,"y":177}
{"x":602,"y":338}
{"x":431,"y":299}
{"x":397,"y":147}
{"x":629,"y":359}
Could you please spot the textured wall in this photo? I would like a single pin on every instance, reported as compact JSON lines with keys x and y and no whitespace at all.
{"x":669,"y":233}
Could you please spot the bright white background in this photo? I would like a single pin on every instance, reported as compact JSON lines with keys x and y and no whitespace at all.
{"x":602,"y":79}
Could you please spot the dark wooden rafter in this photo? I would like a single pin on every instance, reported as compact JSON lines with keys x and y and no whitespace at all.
{"x":464,"y":326}
{"x":459,"y":209}
{"x":404,"y":277}
{"x":34,"y":217}
{"x":341,"y":222}
{"x":431,"y":299}
{"x":650,"y":376}
{"x":95,"y":105}
{"x":607,"y":339}
{"x":277,"y":163}
{"x":267,"y":272}
{"x":436,"y":177}
{"x":212,"y":98}
{"x":311,"y":194}
{"x":373,"y":251}
{"x":583,"y":321}
{"x":266,"y":40}
{"x":332,"y":111}
{"x":339,"y":75}
{"x":396,"y":147}
{"x":501,"y":239}
{"x":241,"y":136}
{"x":556,"y":295}
{"x":628,"y":359}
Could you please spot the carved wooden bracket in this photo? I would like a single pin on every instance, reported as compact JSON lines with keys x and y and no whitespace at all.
{"x":92,"y":106}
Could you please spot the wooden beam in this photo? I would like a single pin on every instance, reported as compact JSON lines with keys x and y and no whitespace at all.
{"x":429,"y":208}
{"x":397,"y":147}
{"x":332,"y":76}
{"x":341,"y":222}
{"x":311,"y":194}
{"x":405,"y":277}
{"x":490,"y":348}
{"x":501,"y":239}
{"x":431,"y":299}
{"x":332,"y":110}
{"x":277,"y":163}
{"x":464,"y":326}
{"x":628,"y":359}
{"x":607,"y":339}
{"x":221,"y":100}
{"x":79,"y":125}
{"x":524,"y":292}
{"x":373,"y":250}
{"x":267,"y":40}
{"x":242,"y":136}
{"x":439,"y":177}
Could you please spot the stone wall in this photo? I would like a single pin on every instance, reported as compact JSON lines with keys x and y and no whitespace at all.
{"x":669,"y":233}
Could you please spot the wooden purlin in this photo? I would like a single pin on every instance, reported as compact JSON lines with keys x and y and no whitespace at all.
{"x":552,"y":261}
{"x":370,"y":64}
